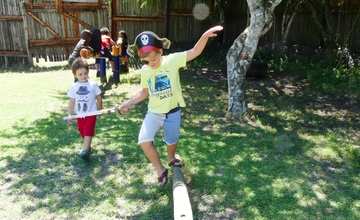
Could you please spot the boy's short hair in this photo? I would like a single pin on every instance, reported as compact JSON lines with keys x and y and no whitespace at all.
{"x":145,"y":54}
{"x":85,"y":34}
{"x":104,"y":30}
{"x":78,"y":64}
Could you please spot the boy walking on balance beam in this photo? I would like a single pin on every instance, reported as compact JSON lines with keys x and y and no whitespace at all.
{"x":160,"y":83}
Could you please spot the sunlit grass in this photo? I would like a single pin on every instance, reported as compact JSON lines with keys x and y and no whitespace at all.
{"x":287,"y":161}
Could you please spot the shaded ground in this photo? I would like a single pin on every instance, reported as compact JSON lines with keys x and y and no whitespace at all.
{"x":296,"y":156}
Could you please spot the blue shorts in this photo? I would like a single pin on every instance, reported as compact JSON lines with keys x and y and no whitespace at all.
{"x":154,"y":121}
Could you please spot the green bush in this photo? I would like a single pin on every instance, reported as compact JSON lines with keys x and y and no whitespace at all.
{"x":323,"y":72}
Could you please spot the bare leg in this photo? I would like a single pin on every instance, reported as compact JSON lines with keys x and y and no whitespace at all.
{"x":153,"y":156}
{"x":171,"y":150}
{"x":87,"y":142}
{"x":112,"y":64}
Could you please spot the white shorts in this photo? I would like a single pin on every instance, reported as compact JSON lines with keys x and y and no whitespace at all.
{"x":154,"y":121}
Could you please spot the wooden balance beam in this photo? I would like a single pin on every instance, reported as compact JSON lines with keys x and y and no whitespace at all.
{"x":182,"y":205}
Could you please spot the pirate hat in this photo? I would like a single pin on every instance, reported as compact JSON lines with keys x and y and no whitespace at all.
{"x":148,"y":41}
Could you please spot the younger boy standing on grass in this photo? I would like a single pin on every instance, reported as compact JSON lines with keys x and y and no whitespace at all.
{"x":160,"y":83}
{"x":84,"y":97}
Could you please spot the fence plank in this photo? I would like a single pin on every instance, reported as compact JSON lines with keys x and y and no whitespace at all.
{"x":26,"y":34}
{"x":44,"y":24}
{"x":11,"y":18}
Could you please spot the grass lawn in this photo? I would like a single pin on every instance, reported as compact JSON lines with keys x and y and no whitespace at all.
{"x":296,"y":156}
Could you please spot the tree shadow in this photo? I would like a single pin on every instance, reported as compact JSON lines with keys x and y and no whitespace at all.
{"x":269,"y":149}
{"x":249,"y":169}
{"x":49,"y":172}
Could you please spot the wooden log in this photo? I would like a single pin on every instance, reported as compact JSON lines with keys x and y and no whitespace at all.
{"x":181,"y":200}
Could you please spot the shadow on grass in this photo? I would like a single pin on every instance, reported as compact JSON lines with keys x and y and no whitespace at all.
{"x":248,"y":170}
{"x":34,"y":69}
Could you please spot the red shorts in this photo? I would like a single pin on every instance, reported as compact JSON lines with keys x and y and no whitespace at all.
{"x":86,"y":126}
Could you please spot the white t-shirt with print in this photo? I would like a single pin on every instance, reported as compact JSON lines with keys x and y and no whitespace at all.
{"x":84,"y":94}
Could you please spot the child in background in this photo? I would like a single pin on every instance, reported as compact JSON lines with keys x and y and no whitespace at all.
{"x":84,"y":42}
{"x":122,"y":41}
{"x":106,"y":45}
{"x":84,"y":97}
{"x":160,"y":82}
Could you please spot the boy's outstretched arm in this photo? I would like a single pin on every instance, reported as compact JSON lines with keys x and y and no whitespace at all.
{"x":137,"y":98}
{"x":200,"y":45}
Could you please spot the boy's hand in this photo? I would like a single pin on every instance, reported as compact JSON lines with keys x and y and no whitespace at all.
{"x":212,"y":31}
{"x":69,"y":122}
{"x":124,"y":107}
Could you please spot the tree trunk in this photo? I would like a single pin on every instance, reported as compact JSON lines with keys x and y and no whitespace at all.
{"x":242,"y":51}
{"x":290,"y":12}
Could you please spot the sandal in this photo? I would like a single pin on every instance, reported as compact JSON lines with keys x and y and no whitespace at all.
{"x":85,"y":154}
{"x":176,"y":163}
{"x":163,"y":178}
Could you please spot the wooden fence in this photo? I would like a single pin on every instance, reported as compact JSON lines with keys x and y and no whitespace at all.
{"x":12,"y":43}
{"x":50,"y":28}
{"x":45,"y":28}
{"x":173,"y":19}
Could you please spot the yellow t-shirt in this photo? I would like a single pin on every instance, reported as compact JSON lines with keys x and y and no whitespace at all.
{"x":163,"y":83}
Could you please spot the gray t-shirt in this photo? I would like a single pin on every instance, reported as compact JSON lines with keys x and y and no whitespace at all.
{"x":76,"y":51}
{"x":84,"y":94}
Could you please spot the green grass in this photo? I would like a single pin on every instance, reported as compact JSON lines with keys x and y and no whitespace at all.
{"x":295,"y":157}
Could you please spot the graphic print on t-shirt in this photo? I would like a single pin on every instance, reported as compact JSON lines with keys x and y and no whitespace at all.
{"x":162,"y":88}
{"x":83,"y":99}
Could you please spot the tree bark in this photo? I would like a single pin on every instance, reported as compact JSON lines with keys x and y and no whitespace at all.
{"x":291,"y":10}
{"x":242,"y":51}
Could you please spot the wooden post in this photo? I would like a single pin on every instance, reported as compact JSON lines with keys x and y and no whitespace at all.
{"x":113,"y":13}
{"x":59,"y":5}
{"x":167,"y":18}
{"x":6,"y":62}
{"x":75,"y":24}
{"x":182,"y":205}
{"x":66,"y":35}
{"x":26,"y":33}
